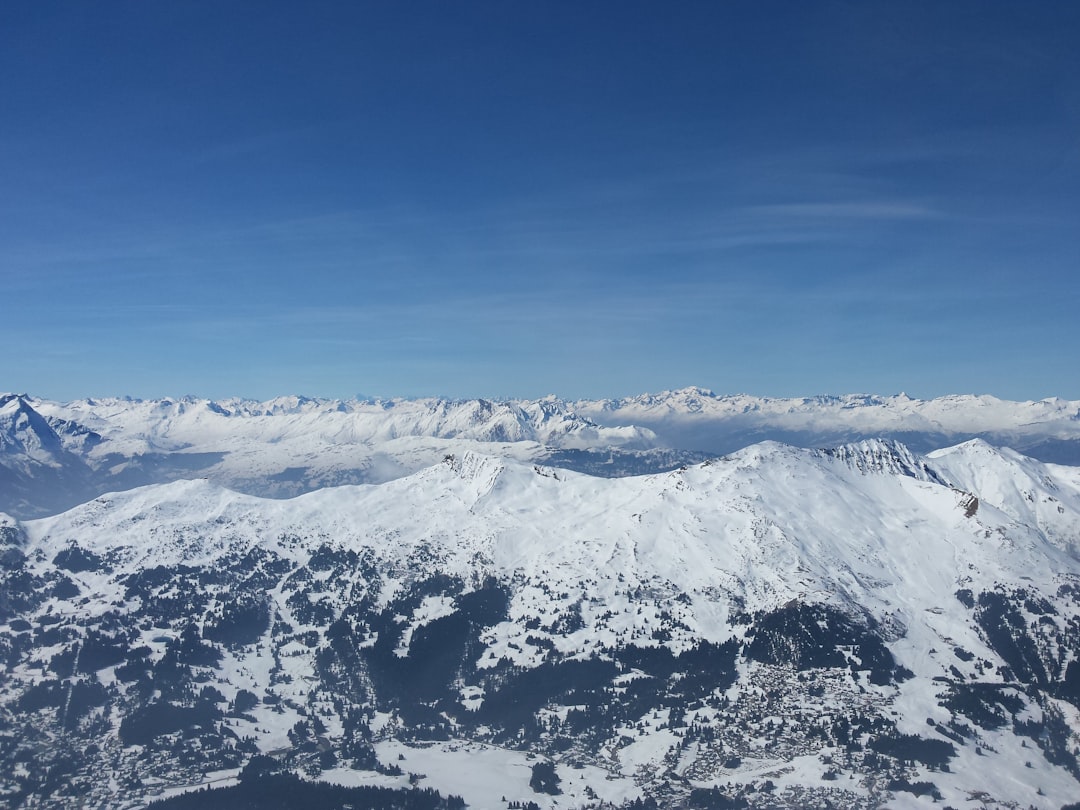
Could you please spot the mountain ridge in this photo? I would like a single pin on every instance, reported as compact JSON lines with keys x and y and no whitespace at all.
{"x":712,"y":422}
{"x":777,"y":482}
{"x":293,"y":444}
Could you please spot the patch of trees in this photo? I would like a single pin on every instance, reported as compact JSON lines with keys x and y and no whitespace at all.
{"x":545,"y":779}
{"x":1006,"y":631}
{"x":811,"y":637}
{"x":142,"y":725}
{"x":917,"y":788}
{"x":136,"y":665}
{"x":705,"y":668}
{"x":243,"y":619}
{"x":20,"y":592}
{"x":715,"y":799}
{"x":1070,"y":686}
{"x":75,"y":698}
{"x":308,"y":611}
{"x":42,"y":695}
{"x":438,"y":651}
{"x":63,"y":588}
{"x":1054,"y":740}
{"x":99,"y":651}
{"x":327,"y":558}
{"x":987,"y":705}
{"x":171,"y":593}
{"x":913,"y":748}
{"x":513,"y":703}
{"x":244,"y":701}
{"x":262,"y":569}
{"x":274,"y":791}
{"x":77,"y":560}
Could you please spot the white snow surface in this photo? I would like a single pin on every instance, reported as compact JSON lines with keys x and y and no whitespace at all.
{"x":766,"y":525}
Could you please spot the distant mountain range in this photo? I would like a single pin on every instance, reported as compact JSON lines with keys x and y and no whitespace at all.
{"x":851,"y":627}
{"x":56,"y":455}
{"x":696,"y":418}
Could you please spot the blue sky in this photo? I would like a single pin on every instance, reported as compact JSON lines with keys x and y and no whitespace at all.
{"x":514,"y":199}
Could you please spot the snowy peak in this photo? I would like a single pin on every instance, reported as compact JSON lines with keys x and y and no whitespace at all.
{"x":884,"y":456}
{"x":868,"y":458}
{"x":779,"y":521}
{"x":25,"y":435}
{"x":689,"y":400}
{"x":641,"y":422}
{"x":480,"y":473}
{"x":38,"y":473}
{"x":1028,"y":491}
{"x":188,"y":522}
{"x":76,"y":438}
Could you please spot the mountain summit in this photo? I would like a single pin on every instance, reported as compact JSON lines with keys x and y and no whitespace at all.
{"x":38,"y":472}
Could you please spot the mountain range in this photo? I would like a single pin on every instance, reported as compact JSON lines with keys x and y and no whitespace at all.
{"x":56,"y":455}
{"x":860,"y":625}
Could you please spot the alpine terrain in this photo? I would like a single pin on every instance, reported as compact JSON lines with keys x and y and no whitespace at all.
{"x":54,"y":456}
{"x":853,"y":627}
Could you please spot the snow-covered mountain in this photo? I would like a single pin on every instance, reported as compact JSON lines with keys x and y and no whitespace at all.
{"x":290,"y":445}
{"x":698,"y":418}
{"x":41,"y":470}
{"x":780,"y":627}
{"x":171,"y":425}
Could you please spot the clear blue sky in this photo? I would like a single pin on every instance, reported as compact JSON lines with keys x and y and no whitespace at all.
{"x":513,"y":199}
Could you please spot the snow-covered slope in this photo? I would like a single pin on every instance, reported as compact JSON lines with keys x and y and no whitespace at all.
{"x":1028,"y":491}
{"x":780,"y":626}
{"x":766,"y":525}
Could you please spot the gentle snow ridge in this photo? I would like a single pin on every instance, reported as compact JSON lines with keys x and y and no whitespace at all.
{"x":865,"y":526}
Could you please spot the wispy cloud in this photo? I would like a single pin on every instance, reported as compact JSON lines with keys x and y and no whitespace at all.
{"x":882,"y":210}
